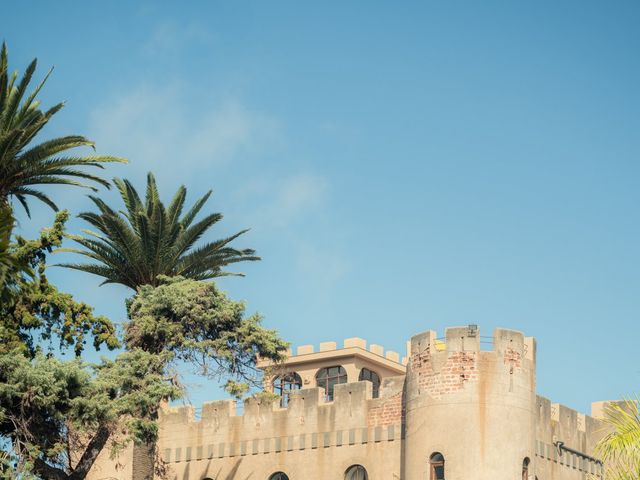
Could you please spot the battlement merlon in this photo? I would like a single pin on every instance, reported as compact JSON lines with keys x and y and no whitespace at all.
{"x":306,"y":402}
{"x":469,"y":339}
{"x":352,"y":347}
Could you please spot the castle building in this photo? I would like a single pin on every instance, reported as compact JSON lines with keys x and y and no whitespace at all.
{"x":462,"y":407}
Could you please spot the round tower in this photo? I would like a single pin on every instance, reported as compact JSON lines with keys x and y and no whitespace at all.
{"x":470,"y":411}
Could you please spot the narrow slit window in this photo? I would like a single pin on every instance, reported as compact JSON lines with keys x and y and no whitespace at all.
{"x":525,"y":468}
{"x":436,"y":462}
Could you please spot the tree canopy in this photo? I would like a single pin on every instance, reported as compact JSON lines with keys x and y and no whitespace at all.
{"x":57,"y":415}
{"x":61,"y":414}
{"x":35,"y":311}
{"x":200,"y":325}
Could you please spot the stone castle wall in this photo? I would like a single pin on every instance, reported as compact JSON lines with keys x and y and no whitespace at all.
{"x":476,"y":406}
{"x":309,"y":434}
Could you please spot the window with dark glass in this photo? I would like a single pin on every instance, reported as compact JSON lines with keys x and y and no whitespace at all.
{"x":525,"y":468}
{"x":283,"y":384}
{"x":327,"y":378}
{"x":279,"y":476}
{"x":436,"y":462}
{"x":371,"y":376}
{"x":356,"y":472}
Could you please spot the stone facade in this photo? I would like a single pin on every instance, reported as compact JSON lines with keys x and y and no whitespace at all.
{"x":467,"y":400}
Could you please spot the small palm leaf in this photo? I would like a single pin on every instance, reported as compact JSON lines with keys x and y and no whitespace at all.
{"x":620,"y":448}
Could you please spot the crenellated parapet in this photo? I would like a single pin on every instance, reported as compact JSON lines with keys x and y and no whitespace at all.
{"x":443,"y":367}
{"x":566,"y":439}
{"x":352,"y":358}
{"x":353,"y":345}
{"x":308,"y":422}
{"x":511,"y":345}
{"x":354,"y":342}
{"x":307,"y":406}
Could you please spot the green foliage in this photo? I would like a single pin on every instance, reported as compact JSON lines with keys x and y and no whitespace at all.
{"x":267,"y":397}
{"x":200,"y":325}
{"x":32,"y":309}
{"x":620,"y":448}
{"x":137,"y":246}
{"x":7,"y":262}
{"x":132,"y":387}
{"x":236,"y":389}
{"x":23,"y":166}
{"x":50,"y":408}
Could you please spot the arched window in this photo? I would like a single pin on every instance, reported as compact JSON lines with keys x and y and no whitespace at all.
{"x":436,"y":462}
{"x":525,"y":468}
{"x":366,"y":374}
{"x":279,"y":476}
{"x":356,"y":472}
{"x":283,"y":384}
{"x":328,"y":378}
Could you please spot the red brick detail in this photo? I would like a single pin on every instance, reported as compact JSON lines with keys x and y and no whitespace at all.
{"x":512,"y":359}
{"x":460,"y":367}
{"x":388,"y":412}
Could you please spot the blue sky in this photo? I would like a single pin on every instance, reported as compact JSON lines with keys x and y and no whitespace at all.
{"x":403,"y":166}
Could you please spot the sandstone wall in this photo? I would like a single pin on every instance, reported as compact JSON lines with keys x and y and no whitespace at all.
{"x":470,"y":398}
{"x":309,"y":439}
{"x":474,"y":407}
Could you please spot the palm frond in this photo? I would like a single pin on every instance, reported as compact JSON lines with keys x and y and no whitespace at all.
{"x":23,"y":202}
{"x":24,"y":166}
{"x":145,"y":240}
{"x":21,"y":192}
{"x":191,"y":235}
{"x":30,"y":102}
{"x":7,"y":261}
{"x":620,"y":447}
{"x":193,"y":212}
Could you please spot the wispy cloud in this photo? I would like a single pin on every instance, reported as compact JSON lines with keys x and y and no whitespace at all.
{"x":186,"y":135}
{"x":283,"y":200}
{"x":159,"y":127}
{"x":293,"y":209}
{"x":171,"y":38}
{"x":322,"y":265}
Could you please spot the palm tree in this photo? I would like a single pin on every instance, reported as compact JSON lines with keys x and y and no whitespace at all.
{"x":620,"y":448}
{"x":147,"y":240}
{"x":6,"y":260}
{"x":23,"y":166}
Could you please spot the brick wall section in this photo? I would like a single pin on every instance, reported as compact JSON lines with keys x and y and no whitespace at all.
{"x":459,"y":368}
{"x":512,"y":359}
{"x":390,"y":411}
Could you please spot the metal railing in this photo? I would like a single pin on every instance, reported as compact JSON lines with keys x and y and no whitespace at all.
{"x":486,"y":343}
